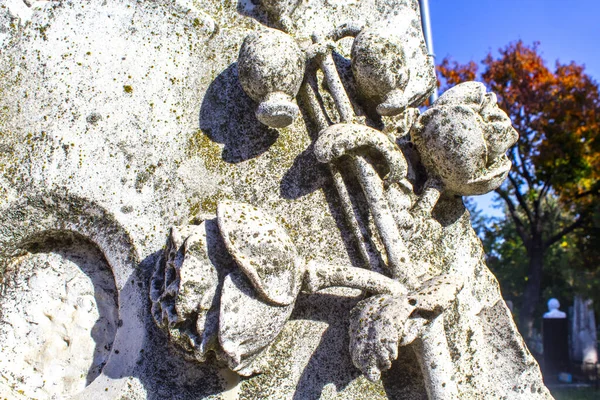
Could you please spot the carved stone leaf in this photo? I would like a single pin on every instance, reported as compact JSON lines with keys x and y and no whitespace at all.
{"x":247,"y":325}
{"x":263,"y":250}
{"x":376,"y":324}
{"x":437,"y":294}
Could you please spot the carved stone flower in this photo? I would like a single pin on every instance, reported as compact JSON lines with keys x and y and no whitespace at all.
{"x":463,"y":139}
{"x":184,"y":289}
{"x":229,"y":285}
{"x":390,"y":63}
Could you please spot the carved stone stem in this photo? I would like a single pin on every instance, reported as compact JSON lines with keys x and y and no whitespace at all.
{"x":319,"y":277}
{"x":431,"y":194}
{"x":436,"y":362}
{"x":351,"y":28}
{"x":342,"y":102}
{"x":357,"y":226}
{"x":398,"y":257}
{"x":307,"y":91}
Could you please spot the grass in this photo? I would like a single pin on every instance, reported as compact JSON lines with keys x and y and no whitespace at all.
{"x":576,"y":393}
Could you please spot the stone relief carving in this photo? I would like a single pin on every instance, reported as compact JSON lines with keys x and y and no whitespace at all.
{"x":320,"y":247}
{"x":70,"y":300}
{"x":59,"y":316}
{"x":230,"y":284}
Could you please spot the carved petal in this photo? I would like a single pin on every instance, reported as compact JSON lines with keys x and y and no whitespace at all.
{"x":376,"y":324}
{"x":263,"y":250}
{"x":184,"y":288}
{"x":247,"y":325}
{"x":340,"y":139}
{"x":470,"y":94}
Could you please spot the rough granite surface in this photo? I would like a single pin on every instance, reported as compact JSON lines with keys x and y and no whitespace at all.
{"x":120,"y":119}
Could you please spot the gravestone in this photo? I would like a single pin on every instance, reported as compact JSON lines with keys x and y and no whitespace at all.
{"x":583,"y":331}
{"x":243,"y":201}
{"x":555,"y":333}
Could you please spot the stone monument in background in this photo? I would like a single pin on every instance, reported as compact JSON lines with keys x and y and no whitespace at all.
{"x":316,"y":246}
{"x":555,"y":339}
{"x":583,"y":332}
{"x":554,"y":311}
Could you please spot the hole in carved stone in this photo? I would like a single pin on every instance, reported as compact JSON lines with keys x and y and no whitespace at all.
{"x":58,"y":317}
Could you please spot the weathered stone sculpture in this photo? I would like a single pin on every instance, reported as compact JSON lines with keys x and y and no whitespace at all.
{"x":317,"y":243}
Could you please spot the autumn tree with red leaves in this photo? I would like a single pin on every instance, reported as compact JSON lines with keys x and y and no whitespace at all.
{"x":557,"y":157}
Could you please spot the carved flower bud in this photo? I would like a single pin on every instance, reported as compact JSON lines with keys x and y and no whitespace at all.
{"x":271,"y":69}
{"x":498,"y":131}
{"x":379,"y":66}
{"x":280,"y":11}
{"x":463,"y":139}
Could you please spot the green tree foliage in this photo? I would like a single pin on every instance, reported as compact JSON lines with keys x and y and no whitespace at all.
{"x":552,"y":193}
{"x":567,"y":269}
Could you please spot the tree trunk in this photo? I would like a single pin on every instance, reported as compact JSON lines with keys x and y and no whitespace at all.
{"x":531,"y":296}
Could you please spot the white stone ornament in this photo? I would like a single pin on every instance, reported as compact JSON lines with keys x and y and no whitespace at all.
{"x":389,"y":207}
{"x":303,"y":260}
{"x":342,"y":139}
{"x":381,"y":324}
{"x":497,"y":127}
{"x":553,"y":310}
{"x":270,"y":69}
{"x":463,"y":140}
{"x":391,"y":65}
{"x":263,"y":250}
{"x":280,"y":11}
{"x":380,"y":68}
{"x":389,"y":62}
{"x":247,"y":324}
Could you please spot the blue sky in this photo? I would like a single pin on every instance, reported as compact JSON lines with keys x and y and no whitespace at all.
{"x":568,"y":30}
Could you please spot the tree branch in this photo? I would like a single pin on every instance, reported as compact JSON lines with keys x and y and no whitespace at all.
{"x":524,"y":129}
{"x":578,"y":222}
{"x":593,"y":191}
{"x":545,"y":188}
{"x":521,"y":199}
{"x":538,"y":201}
{"x":523,"y":167}
{"x":513,"y":213}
